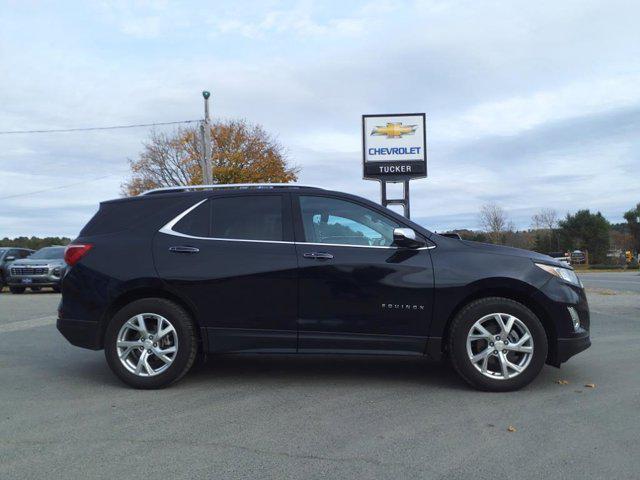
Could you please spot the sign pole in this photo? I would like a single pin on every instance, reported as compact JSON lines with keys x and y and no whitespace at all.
{"x":404,"y":201}
{"x":407,"y":210}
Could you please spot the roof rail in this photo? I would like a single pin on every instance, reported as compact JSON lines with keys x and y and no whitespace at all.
{"x":185,"y":188}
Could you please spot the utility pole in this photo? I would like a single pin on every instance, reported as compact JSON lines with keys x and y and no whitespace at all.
{"x":205,"y":134}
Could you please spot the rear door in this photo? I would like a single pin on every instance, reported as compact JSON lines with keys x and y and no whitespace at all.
{"x":357,"y":291}
{"x":233,"y":258}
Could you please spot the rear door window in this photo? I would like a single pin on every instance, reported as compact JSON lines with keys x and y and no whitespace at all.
{"x":255,"y":217}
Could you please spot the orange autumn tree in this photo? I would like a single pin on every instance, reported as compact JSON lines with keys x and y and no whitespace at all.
{"x":241,"y":153}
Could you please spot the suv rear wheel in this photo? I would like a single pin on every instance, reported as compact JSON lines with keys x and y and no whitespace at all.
{"x":150,"y":343}
{"x":497,"y":344}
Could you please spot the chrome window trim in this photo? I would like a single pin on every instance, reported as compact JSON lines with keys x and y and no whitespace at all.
{"x":390,"y":247}
{"x":218,"y":239}
{"x":168,"y":230}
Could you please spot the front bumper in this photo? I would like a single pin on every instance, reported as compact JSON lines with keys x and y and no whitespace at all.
{"x":568,"y":347}
{"x":34,"y":281}
{"x":556,"y":297}
{"x":80,"y":333}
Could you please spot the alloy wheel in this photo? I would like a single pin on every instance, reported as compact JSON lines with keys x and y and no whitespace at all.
{"x":147,"y":344}
{"x":500,"y":346}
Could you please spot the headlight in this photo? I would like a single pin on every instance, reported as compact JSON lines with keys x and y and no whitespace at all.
{"x":566,"y":274}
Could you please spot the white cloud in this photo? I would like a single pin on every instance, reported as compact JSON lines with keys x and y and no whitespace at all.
{"x":298,"y":19}
{"x":145,"y":27}
{"x":514,"y":114}
{"x":142,"y":19}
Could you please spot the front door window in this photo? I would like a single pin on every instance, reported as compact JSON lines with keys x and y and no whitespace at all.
{"x":339,"y":222}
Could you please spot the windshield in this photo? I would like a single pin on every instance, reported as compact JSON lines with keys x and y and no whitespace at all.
{"x":49,"y":253}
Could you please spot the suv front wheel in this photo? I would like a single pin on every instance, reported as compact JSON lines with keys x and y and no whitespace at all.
{"x":497,"y":344}
{"x":150,"y":343}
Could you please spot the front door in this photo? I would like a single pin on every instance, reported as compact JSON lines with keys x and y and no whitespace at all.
{"x":357,"y":291}
{"x":233,"y":258}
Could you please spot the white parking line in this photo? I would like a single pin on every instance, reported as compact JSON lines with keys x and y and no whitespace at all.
{"x":26,"y":324}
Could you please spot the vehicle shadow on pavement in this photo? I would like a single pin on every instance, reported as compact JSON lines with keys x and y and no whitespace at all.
{"x":318,"y":369}
{"x":80,"y":366}
{"x":311,"y":371}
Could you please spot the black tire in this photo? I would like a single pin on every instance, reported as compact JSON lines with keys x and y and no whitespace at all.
{"x":56,"y":289}
{"x":457,"y":343}
{"x":187,"y":342}
{"x":17,"y":290}
{"x":35,"y":289}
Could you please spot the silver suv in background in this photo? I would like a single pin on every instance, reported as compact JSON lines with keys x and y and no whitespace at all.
{"x":44,"y":268}
{"x":8,"y":255}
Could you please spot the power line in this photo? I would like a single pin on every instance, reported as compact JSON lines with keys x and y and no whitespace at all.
{"x":87,"y":129}
{"x":55,"y":188}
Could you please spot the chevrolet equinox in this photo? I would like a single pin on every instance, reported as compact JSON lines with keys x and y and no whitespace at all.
{"x":156,"y":279}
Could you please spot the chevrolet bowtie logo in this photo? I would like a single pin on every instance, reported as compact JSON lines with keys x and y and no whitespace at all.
{"x":394,"y":130}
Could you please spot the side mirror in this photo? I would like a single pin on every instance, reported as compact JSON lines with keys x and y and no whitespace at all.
{"x":10,"y":258}
{"x":407,"y":238}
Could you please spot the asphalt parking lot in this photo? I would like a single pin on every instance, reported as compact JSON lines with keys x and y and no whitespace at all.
{"x":64,"y":415}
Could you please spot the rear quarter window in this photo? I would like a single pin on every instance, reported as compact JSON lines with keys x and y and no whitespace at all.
{"x":122,"y":215}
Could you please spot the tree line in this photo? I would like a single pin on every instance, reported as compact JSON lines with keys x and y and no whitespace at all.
{"x":34,"y":243}
{"x":582,"y":230}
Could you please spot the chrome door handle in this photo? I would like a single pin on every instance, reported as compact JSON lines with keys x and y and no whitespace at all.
{"x":318,"y":255}
{"x":183,"y":249}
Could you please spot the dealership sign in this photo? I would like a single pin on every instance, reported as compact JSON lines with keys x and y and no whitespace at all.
{"x":394,"y":146}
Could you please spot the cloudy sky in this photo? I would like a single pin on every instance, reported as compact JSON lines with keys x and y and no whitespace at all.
{"x":529,"y":104}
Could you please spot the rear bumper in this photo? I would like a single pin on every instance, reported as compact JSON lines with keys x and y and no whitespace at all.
{"x":81,"y":333}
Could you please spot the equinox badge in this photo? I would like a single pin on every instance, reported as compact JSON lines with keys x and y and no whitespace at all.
{"x":401,"y":306}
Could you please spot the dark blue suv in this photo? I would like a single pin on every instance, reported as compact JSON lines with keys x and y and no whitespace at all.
{"x":8,"y":255}
{"x":158,"y":278}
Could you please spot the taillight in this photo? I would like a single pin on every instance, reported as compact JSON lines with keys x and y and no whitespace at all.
{"x":75,"y":251}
